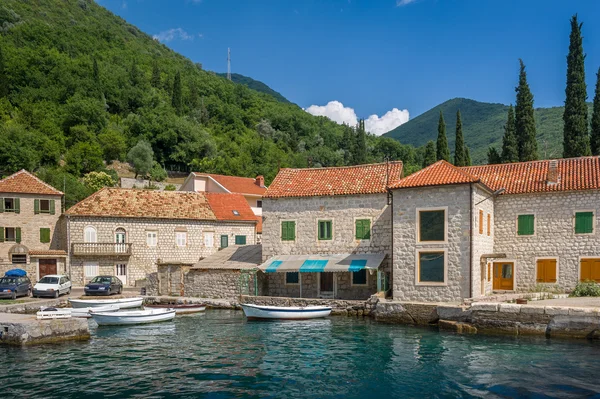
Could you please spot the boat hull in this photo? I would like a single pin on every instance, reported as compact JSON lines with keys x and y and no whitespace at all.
{"x":123,"y":303}
{"x":133,"y":317}
{"x":285,"y":313}
{"x":180,"y":309}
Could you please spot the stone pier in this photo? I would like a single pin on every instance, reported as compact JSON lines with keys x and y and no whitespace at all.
{"x":24,"y":329}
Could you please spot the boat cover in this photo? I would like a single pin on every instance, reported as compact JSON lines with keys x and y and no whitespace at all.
{"x":322,"y":263}
{"x":16,"y":273}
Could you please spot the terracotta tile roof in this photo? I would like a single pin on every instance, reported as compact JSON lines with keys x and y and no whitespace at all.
{"x":346,"y":180}
{"x":121,"y":202}
{"x":531,"y":177}
{"x":223,"y":205}
{"x":437,"y":174}
{"x":236,"y":184}
{"x":50,"y":252}
{"x":259,"y":224}
{"x":26,"y":183}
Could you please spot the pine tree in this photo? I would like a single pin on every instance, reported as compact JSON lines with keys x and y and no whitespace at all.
{"x":595,"y":137}
{"x":176,"y":99}
{"x":134,"y":74}
{"x":576,"y":141}
{"x":155,"y":80}
{"x":96,"y":72}
{"x":510,"y":147}
{"x":430,"y":154}
{"x":443,"y":152}
{"x":468,"y":156}
{"x":4,"y":88}
{"x":493,"y":156}
{"x":524,"y":121}
{"x":360,"y":154}
{"x":460,"y":156}
{"x":348,"y":144}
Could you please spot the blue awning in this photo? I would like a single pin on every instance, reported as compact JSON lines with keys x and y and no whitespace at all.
{"x":322,"y":263}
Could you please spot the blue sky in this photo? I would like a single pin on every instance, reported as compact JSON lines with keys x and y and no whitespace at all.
{"x":377,"y":55}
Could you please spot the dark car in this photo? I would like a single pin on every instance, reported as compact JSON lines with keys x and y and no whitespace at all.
{"x":14,"y":286}
{"x":104,"y":285}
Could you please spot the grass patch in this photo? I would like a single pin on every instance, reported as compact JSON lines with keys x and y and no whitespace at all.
{"x":11,"y":301}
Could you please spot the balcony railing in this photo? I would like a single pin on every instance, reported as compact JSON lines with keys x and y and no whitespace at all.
{"x":101,"y":249}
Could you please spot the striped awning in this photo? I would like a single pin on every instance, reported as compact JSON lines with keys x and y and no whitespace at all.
{"x":322,"y":263}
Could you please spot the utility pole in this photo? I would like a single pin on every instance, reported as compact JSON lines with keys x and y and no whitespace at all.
{"x":228,"y":63}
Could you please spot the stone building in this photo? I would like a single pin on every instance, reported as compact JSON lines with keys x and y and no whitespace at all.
{"x":129,"y":232}
{"x":327,"y":231}
{"x":31,"y":226}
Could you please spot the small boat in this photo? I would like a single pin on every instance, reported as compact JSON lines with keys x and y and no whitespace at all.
{"x":133,"y":317}
{"x":282,"y":312}
{"x":57,"y":313}
{"x":123,"y":303}
{"x":180,"y":308}
{"x":53,"y":313}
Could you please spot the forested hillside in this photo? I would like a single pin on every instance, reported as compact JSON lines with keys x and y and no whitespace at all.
{"x":79,"y":87}
{"x":255,"y":85}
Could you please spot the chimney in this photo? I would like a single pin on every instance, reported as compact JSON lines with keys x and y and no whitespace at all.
{"x":259,"y":181}
{"x":552,"y":176}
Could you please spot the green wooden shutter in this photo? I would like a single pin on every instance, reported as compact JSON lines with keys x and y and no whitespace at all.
{"x":17,"y":205}
{"x":44,"y":235}
{"x":18,"y":235}
{"x":288,"y":231}
{"x":525,"y":225}
{"x":584,"y":222}
{"x":284,"y":231}
{"x":292,"y":230}
{"x":363,"y":229}
{"x":240,"y":240}
{"x":1,"y":234}
{"x":52,"y":207}
{"x":359,"y":230}
{"x":1,"y":205}
{"x":36,"y":206}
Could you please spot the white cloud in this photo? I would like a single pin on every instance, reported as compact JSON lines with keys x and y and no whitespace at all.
{"x":172,"y":34}
{"x":337,"y":112}
{"x":400,"y":3}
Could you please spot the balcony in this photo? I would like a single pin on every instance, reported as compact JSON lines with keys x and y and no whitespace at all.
{"x":100,"y":249}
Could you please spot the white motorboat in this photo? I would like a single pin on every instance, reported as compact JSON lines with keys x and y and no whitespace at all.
{"x":133,"y":317}
{"x":123,"y":303}
{"x":282,"y":312}
{"x":60,"y":313}
{"x":180,"y":308}
{"x":53,"y":313}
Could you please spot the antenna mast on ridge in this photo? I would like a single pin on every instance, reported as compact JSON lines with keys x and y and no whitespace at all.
{"x":228,"y":63}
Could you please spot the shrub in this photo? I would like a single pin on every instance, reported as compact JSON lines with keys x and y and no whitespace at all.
{"x":170,"y":187}
{"x":586,"y":288}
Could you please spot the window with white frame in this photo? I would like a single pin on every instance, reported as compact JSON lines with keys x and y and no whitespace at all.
{"x":90,"y":270}
{"x":89,"y":234}
{"x":209,"y":239}
{"x":151,"y":238}
{"x":181,"y":238}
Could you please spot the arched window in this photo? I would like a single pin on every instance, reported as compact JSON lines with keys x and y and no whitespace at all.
{"x":89,"y":234}
{"x":120,"y":235}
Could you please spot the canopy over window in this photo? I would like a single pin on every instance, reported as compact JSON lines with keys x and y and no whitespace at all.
{"x":322,"y":263}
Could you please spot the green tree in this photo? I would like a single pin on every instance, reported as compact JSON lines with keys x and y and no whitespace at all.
{"x":4,"y":87}
{"x":176,"y":99}
{"x":460,"y":156}
{"x":95,"y":71}
{"x":135,"y":77}
{"x":493,"y":156}
{"x":155,"y":80}
{"x":576,"y":141}
{"x":510,"y":147}
{"x":443,"y":152}
{"x":524,"y":121}
{"x":360,"y":154}
{"x":595,"y":136}
{"x":430,"y":154}
{"x":84,"y":157}
{"x":468,"y":156}
{"x":158,"y":173}
{"x":113,"y":144}
{"x":97,"y":180}
{"x":141,"y":157}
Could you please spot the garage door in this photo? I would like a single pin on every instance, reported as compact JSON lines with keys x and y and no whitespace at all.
{"x":590,"y":270}
{"x":47,"y":266}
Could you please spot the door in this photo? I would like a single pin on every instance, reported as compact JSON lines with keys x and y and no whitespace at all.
{"x":120,"y":241}
{"x":326,"y":285}
{"x":224,"y":241}
{"x":47,"y":266}
{"x":504,"y":276}
{"x":121,"y":272}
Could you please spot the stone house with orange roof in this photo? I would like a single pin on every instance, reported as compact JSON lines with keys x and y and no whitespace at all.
{"x":32,"y":229}
{"x":327,"y":231}
{"x":129,"y":232}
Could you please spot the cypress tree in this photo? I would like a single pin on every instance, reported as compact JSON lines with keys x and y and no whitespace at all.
{"x":430,"y":155}
{"x":493,"y":156}
{"x":155,"y":80}
{"x":176,"y":99}
{"x":360,"y":154}
{"x":510,"y":147}
{"x":524,"y":121}
{"x":595,"y":137}
{"x":468,"y":156}
{"x":348,"y":144}
{"x":460,"y":155}
{"x":4,"y":88}
{"x":576,"y":141}
{"x":443,"y":152}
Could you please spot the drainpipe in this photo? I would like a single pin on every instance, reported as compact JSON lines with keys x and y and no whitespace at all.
{"x":69,"y":244}
{"x":391,"y":193}
{"x":471,"y":240}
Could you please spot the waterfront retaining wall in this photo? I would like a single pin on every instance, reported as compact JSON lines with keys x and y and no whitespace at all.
{"x":339,"y":306}
{"x":27,"y":330}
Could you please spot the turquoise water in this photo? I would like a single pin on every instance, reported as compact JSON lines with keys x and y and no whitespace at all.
{"x":221,"y":355}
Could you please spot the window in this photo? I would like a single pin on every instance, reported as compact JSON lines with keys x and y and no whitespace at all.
{"x":325,"y":230}
{"x":480,"y":221}
{"x":363,"y":229}
{"x":359,"y":277}
{"x":44,"y":235}
{"x":431,"y":267}
{"x":546,"y":271}
{"x":89,"y":234}
{"x":240,"y":240}
{"x":590,"y":270}
{"x":432,"y":225}
{"x":151,"y":238}
{"x":525,"y":225}
{"x":181,"y":238}
{"x":43,"y":206}
{"x":90,"y":269}
{"x":224,"y":241}
{"x":292,"y":278}
{"x":489,"y":224}
{"x":288,"y":231}
{"x":209,"y":239}
{"x":19,"y":259}
{"x":10,"y":204}
{"x":584,"y":222}
{"x":11,"y":234}
{"x":236,"y":213}
{"x":258,"y":203}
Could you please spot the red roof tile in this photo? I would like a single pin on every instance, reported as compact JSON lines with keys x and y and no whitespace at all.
{"x":24,"y":182}
{"x":437,"y":174}
{"x":531,"y":177}
{"x":223,"y":205}
{"x":236,"y":184}
{"x":345,"y":180}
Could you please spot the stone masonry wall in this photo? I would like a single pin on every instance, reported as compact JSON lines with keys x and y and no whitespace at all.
{"x":406,"y":202}
{"x":482,"y":242}
{"x":554,"y":234}
{"x":345,"y":290}
{"x":144,"y":259}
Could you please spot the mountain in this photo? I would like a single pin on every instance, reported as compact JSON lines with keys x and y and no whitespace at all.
{"x":255,"y":85}
{"x":483,"y":125}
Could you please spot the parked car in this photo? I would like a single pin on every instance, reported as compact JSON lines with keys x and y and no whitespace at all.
{"x":52,"y":285}
{"x":15,"y":286}
{"x":104,"y":285}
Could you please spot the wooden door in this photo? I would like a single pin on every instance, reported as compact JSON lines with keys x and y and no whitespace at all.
{"x":47,"y":266}
{"x":326,"y":285}
{"x":504,"y":276}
